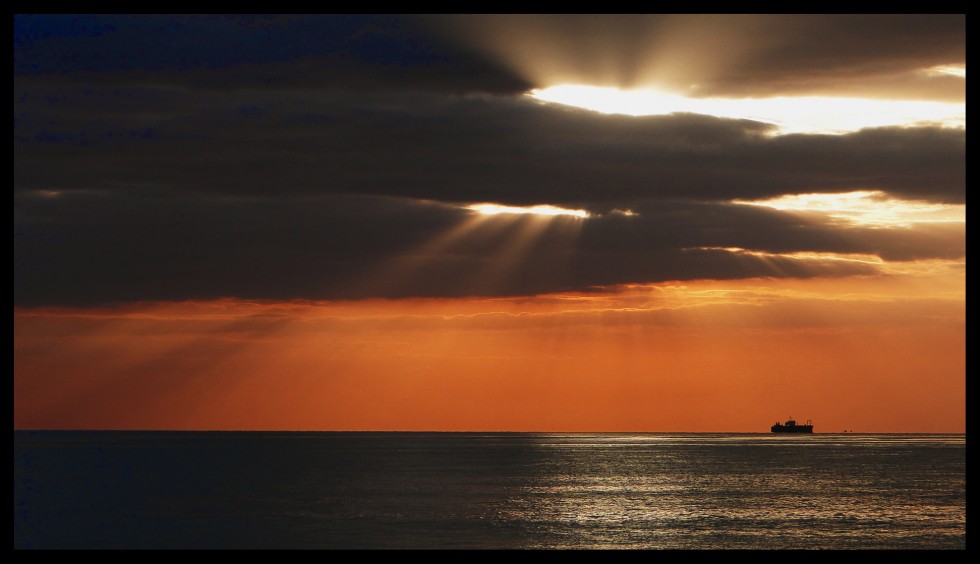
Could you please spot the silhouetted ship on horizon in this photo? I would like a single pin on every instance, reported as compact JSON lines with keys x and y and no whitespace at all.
{"x":791,"y":427}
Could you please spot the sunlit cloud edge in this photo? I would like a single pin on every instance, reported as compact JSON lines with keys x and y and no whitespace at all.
{"x":787,"y":115}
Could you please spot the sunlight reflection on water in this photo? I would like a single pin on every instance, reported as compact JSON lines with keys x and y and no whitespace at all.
{"x":488,"y":490}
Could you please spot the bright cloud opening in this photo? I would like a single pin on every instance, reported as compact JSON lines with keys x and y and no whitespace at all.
{"x":867,"y":207}
{"x":952,"y":70}
{"x":807,"y":114}
{"x":544,"y":209}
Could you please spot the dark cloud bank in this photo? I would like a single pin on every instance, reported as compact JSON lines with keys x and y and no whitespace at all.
{"x":301,"y":157}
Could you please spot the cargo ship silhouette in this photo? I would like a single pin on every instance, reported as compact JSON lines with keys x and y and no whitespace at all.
{"x":791,"y":427}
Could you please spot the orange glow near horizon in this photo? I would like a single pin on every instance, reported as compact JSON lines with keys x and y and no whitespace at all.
{"x":870,"y":354}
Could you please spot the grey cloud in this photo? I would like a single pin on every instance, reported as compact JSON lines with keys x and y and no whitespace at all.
{"x":318,"y":170}
{"x":503,"y":149}
{"x":85,"y":248}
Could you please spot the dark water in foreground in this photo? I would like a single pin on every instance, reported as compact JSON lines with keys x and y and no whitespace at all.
{"x":487,"y":490}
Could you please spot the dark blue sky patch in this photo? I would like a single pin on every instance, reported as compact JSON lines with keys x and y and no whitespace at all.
{"x":66,"y":43}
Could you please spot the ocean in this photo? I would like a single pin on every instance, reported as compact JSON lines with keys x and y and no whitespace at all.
{"x":347,"y":490}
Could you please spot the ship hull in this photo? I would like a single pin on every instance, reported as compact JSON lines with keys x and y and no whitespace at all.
{"x":794,"y":429}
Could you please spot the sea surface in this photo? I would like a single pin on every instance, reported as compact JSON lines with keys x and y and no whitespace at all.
{"x":311,"y":490}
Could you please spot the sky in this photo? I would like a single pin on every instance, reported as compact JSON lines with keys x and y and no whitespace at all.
{"x":663,"y":223}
